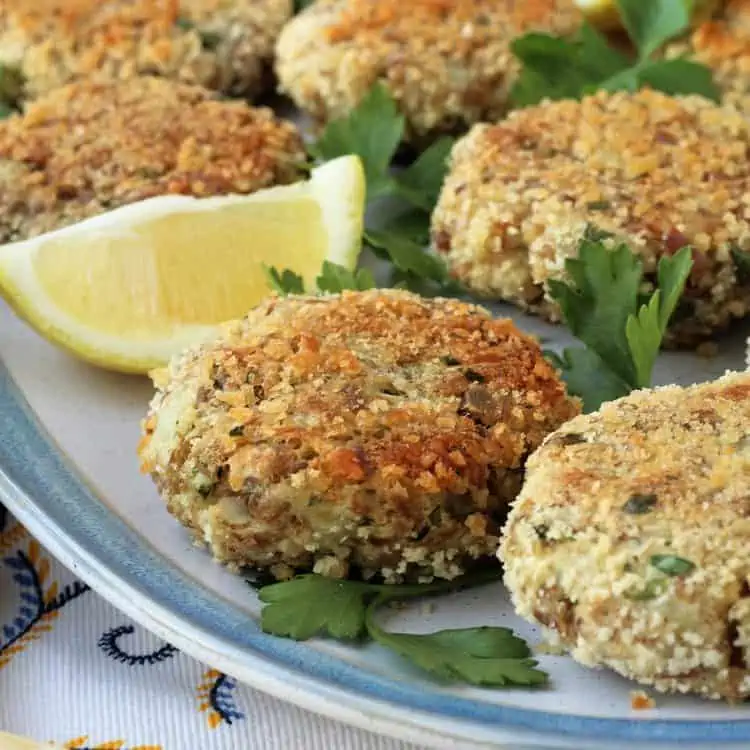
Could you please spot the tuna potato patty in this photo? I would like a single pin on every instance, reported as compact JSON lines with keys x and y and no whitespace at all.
{"x":629,"y":541}
{"x":90,"y":147}
{"x":447,"y":63}
{"x":375,"y":432}
{"x":221,"y":44}
{"x":658,"y":172}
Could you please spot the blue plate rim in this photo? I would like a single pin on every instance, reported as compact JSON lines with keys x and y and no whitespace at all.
{"x":40,"y":474}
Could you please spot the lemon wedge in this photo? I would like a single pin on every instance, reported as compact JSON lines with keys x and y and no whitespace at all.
{"x":604,"y":13}
{"x":128,"y":289}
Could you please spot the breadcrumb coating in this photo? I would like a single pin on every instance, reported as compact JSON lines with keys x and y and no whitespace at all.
{"x":90,"y":147}
{"x":656,"y":171}
{"x":221,"y":44}
{"x":447,"y":62}
{"x":375,"y":431}
{"x":629,"y":541}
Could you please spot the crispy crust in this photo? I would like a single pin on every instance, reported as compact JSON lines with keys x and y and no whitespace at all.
{"x":219,"y":44}
{"x":657,"y":171}
{"x":658,"y":472}
{"x":375,"y":429}
{"x":90,"y":147}
{"x":447,"y":62}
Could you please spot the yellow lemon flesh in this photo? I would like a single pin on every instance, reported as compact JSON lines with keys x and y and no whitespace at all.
{"x":128,"y":289}
{"x":604,"y":13}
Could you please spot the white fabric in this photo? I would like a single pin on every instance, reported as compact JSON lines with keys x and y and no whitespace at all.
{"x":75,"y":671}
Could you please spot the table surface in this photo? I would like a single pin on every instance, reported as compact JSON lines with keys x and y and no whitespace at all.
{"x":76,"y":671}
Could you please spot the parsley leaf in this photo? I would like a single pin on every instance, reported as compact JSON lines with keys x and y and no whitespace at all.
{"x":646,"y":330}
{"x":406,"y":255}
{"x":599,"y":299}
{"x":310,"y":605}
{"x":672,"y":565}
{"x":372,"y":131}
{"x":678,"y":76}
{"x":284,"y":282}
{"x":556,"y":68}
{"x":302,"y":4}
{"x":421,"y":182}
{"x":741,"y":260}
{"x":488,"y":656}
{"x":334,"y":278}
{"x":650,"y":24}
{"x":602,"y":306}
{"x":588,"y":377}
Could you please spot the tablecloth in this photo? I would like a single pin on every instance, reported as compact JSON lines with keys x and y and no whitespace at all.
{"x":76,"y":671}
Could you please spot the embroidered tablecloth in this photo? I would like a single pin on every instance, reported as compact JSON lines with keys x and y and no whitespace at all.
{"x":75,"y":671}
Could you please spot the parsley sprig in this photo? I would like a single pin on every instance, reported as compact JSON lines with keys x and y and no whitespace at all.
{"x":602,"y":306}
{"x":333,"y":278}
{"x":374,"y":130}
{"x":312,"y":605}
{"x":555,"y":68}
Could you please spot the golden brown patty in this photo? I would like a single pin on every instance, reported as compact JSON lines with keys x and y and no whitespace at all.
{"x":221,"y":44}
{"x":629,"y":541}
{"x":723,"y":44}
{"x":656,"y":171}
{"x":374,"y":429}
{"x":447,"y":62}
{"x":89,"y":147}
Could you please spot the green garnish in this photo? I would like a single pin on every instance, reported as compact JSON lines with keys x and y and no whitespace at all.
{"x":312,"y":605}
{"x":601,"y":305}
{"x":11,"y":90}
{"x":373,"y":130}
{"x":672,"y":565}
{"x":301,"y":4}
{"x":650,"y":590}
{"x":333,"y":278}
{"x":555,"y":68}
{"x":284,"y":282}
{"x":741,"y":260}
{"x":638,"y":505}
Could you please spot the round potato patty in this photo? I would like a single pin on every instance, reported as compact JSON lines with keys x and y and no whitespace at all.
{"x":447,"y":62}
{"x":629,"y":541}
{"x":655,"y":171}
{"x":91,"y":147}
{"x":221,"y":44}
{"x":375,"y":431}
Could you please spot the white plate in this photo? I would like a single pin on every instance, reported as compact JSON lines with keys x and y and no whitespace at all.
{"x":68,"y":470}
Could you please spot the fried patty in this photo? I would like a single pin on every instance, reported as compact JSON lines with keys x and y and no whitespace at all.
{"x":447,"y":62}
{"x":629,"y":541}
{"x":372,"y":431}
{"x":90,"y":147}
{"x":221,"y":44}
{"x":656,"y":171}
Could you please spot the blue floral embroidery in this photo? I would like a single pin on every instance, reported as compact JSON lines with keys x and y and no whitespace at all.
{"x":109,"y":644}
{"x":37,"y":606}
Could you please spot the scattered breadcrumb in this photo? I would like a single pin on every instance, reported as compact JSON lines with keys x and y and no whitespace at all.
{"x":628,"y":543}
{"x":90,"y":147}
{"x":659,"y":172}
{"x":640,"y":701}
{"x":447,"y":62}
{"x":225,"y":45}
{"x":375,"y":431}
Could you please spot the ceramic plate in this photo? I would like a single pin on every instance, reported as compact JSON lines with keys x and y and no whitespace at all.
{"x":68,"y":471}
